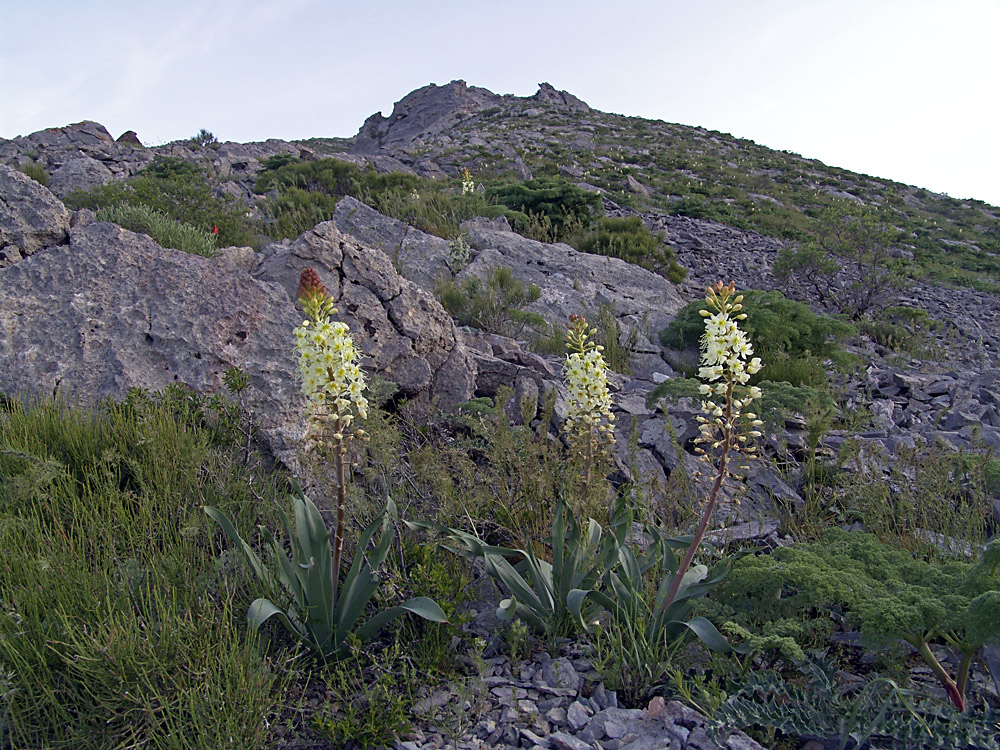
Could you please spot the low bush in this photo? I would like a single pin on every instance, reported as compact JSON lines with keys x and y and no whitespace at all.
{"x":888,"y":594}
{"x":36,"y":171}
{"x":165,"y":231}
{"x":628,"y":239}
{"x":494,"y":305}
{"x":181,"y":191}
{"x":778,"y":327}
{"x":563,"y":204}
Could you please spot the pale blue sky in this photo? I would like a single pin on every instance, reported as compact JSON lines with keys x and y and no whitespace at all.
{"x":903,"y":89}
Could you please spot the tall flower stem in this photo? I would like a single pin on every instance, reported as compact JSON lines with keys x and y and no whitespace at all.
{"x":589,"y":420}
{"x":699,"y":533}
{"x":334,"y":384}
{"x":587,"y":467}
{"x":725,"y":350}
{"x":338,"y":534}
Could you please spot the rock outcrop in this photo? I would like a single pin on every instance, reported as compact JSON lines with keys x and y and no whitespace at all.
{"x":31,"y":218}
{"x":571,"y":281}
{"x":112,"y":310}
{"x":404,"y":332}
{"x":428,"y":110}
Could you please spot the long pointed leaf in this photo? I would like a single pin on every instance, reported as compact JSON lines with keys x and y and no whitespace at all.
{"x":499,"y":568}
{"x":420,"y":606}
{"x":262,"y":610}
{"x":707,"y":634}
{"x":263,"y":574}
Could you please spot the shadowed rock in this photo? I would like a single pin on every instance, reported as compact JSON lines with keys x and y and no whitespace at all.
{"x":31,"y":218}
{"x":113,"y":310}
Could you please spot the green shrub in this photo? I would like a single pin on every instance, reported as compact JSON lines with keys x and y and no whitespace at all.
{"x":777,"y":327}
{"x":629,"y":239}
{"x":35,"y":171}
{"x":696,"y":208}
{"x":903,"y":329}
{"x":494,"y":305}
{"x":182,"y":192}
{"x":563,"y":204}
{"x":165,"y":231}
{"x":277,"y":161}
{"x":202,"y":138}
{"x":330,"y":176}
{"x":306,"y":193}
{"x":888,"y":594}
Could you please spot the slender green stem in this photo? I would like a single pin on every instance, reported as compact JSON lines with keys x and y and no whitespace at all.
{"x":338,"y":534}
{"x":588,"y":461}
{"x":956,"y":695}
{"x":963,"y":670}
{"x":713,"y":496}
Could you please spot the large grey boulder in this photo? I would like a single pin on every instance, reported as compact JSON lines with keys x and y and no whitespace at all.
{"x":31,"y":218}
{"x":547,"y":94}
{"x":427,"y":111}
{"x":571,"y":281}
{"x":420,"y":257}
{"x":112,"y":310}
{"x":79,"y":174}
{"x":404,"y":332}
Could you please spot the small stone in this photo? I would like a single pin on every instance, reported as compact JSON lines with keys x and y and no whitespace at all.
{"x":740,"y":741}
{"x":657,"y":707}
{"x":556,"y":715}
{"x":614,"y":729}
{"x":564,"y":741}
{"x":603,"y":698}
{"x":527,"y":707}
{"x":547,"y":704}
{"x":560,"y":674}
{"x":437,"y":699}
{"x":534,"y":739}
{"x":577,"y":716}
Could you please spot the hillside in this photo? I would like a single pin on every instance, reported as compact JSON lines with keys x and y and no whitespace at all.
{"x":148,"y":297}
{"x":682,"y":170}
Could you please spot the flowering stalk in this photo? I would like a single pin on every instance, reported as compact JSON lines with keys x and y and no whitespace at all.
{"x":589,"y":421}
{"x":724,"y":354}
{"x":468,"y":184}
{"x":333,"y":384}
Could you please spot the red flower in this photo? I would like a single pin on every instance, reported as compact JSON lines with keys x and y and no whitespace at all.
{"x":215,"y":229}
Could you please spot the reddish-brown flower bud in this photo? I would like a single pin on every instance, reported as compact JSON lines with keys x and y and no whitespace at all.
{"x":311,"y":289}
{"x":309,"y":283}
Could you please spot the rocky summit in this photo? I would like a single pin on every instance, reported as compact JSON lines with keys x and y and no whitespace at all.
{"x":90,"y":309}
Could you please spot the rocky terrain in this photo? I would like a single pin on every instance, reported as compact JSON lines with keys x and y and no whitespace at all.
{"x":90,"y":310}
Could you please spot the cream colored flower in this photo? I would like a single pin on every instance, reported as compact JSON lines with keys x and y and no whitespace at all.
{"x":332,"y":381}
{"x":588,"y":414}
{"x":725,"y":351}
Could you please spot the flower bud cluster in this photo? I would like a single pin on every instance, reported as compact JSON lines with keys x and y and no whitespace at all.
{"x":588,"y":416}
{"x":332,"y":380}
{"x":727,"y":362}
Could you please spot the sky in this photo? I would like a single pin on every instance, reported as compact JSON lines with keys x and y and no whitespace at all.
{"x":907,"y":90}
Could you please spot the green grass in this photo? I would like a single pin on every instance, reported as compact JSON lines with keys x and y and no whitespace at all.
{"x":120,"y":624}
{"x":36,"y":172}
{"x":165,"y":231}
{"x":180,"y":190}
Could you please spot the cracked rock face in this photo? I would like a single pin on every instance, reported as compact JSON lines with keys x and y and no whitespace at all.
{"x":404,"y":332}
{"x":31,"y":218}
{"x":113,"y":310}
